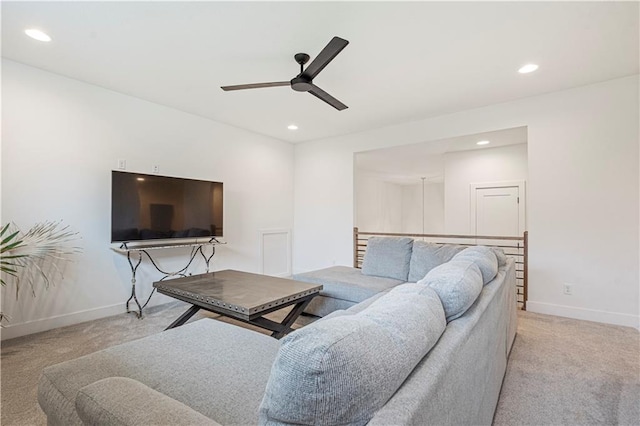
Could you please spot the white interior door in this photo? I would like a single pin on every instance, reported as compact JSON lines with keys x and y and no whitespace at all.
{"x":498,"y":211}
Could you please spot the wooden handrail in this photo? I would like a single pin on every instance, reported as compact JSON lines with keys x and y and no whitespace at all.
{"x":469,"y":237}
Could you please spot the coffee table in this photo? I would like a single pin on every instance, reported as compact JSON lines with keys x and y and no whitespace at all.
{"x":240,"y":295}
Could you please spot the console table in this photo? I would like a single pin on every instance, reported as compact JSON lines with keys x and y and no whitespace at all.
{"x":140,"y":249}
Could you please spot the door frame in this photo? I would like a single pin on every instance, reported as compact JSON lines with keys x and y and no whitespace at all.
{"x":521,"y":184}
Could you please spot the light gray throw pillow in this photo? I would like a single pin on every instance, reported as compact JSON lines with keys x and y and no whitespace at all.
{"x":482,"y":256}
{"x":340,"y":371}
{"x":458,"y":283}
{"x":388,"y":257}
{"x":425,"y":256}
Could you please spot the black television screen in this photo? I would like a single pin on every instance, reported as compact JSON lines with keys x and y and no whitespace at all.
{"x":149,"y":207}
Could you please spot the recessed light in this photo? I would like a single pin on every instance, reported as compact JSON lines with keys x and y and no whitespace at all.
{"x":141,"y":179}
{"x":292,"y":127}
{"x":37,"y":34}
{"x":528,"y":68}
{"x":482,"y":143}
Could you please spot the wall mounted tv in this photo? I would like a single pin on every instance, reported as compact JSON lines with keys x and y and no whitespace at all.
{"x":150,"y":207}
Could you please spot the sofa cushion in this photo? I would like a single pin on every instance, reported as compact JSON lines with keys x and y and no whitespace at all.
{"x":425,"y":256}
{"x":120,"y":401}
{"x":321,"y":306}
{"x":334,"y":314}
{"x":482,"y":256}
{"x":359,"y":307}
{"x":388,"y":257}
{"x":224,"y":382}
{"x":342,"y":370}
{"x":346,"y":283}
{"x":458,"y":284}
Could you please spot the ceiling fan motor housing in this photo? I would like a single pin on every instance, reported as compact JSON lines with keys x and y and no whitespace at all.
{"x":301,"y":83}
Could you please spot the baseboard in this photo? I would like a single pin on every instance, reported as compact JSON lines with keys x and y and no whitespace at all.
{"x":10,"y":331}
{"x":584,"y":314}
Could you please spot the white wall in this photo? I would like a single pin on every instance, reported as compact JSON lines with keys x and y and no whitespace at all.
{"x":378,"y":204}
{"x":412,"y":219}
{"x":582,"y":194}
{"x":506,"y":163}
{"x":60,"y":140}
{"x":384,"y":206}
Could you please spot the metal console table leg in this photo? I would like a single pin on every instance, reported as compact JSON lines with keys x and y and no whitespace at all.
{"x":195,"y":249}
{"x":133,"y":296}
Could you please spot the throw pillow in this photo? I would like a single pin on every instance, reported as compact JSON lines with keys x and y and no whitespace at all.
{"x":425,"y":256}
{"x":458,"y":283}
{"x":388,"y":257}
{"x":482,"y":256}
{"x":340,"y":371}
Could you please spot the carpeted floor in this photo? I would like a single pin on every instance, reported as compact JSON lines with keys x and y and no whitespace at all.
{"x":561,"y":371}
{"x":568,"y":372}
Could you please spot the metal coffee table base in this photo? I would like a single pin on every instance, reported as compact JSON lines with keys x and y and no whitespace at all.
{"x":244,"y":296}
{"x":279,"y":329}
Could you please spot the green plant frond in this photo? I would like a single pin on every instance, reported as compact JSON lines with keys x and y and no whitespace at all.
{"x":10,"y":247}
{"x":23,"y":256}
{"x":8,"y":243}
{"x":13,"y":256}
{"x":8,"y":269}
{"x":5,"y":228}
{"x":9,"y":238}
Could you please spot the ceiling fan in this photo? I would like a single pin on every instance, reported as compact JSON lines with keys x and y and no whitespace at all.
{"x":303,"y":82}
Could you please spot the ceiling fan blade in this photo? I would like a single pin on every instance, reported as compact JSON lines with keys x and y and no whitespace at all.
{"x":256,"y":85}
{"x":324,"y":96}
{"x":327,"y":54}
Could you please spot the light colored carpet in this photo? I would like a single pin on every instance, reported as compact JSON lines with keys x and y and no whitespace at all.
{"x":561,"y":371}
{"x":568,"y":372}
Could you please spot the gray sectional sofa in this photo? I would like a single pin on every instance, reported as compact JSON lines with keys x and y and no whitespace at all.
{"x":388,"y":262}
{"x":392,"y":352}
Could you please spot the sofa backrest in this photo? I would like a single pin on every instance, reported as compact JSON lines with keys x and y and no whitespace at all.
{"x":458,"y":284}
{"x":388,"y":257}
{"x":407,"y":260}
{"x":343,"y":369}
{"x":459,"y":381}
{"x":482,"y":256}
{"x":425,"y":256}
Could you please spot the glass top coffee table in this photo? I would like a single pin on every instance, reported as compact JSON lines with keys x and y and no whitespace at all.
{"x":240,"y":295}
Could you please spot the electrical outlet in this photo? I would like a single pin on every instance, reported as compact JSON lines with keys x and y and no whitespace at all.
{"x":122,"y":164}
{"x":567,"y":289}
{"x":155,"y":168}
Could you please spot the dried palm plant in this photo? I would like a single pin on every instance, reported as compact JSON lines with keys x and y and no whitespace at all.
{"x":23,"y":256}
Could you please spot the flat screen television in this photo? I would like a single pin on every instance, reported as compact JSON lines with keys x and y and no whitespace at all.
{"x":153,"y":207}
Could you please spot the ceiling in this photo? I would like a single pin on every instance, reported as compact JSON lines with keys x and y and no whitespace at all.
{"x":405,"y":61}
{"x":407,"y":164}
